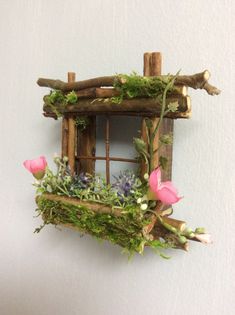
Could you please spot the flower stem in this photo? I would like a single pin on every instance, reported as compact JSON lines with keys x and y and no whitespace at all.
{"x":153,"y":135}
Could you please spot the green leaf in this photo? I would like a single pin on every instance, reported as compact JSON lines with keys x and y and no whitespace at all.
{"x":166,"y":139}
{"x":140,"y":145}
{"x":71,"y":97}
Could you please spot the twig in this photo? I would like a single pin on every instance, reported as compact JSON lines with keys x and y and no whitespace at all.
{"x":195,"y":81}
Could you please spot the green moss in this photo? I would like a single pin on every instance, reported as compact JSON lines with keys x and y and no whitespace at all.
{"x":124,"y":230}
{"x":134,"y":85}
{"x":57,"y":100}
{"x":129,"y":86}
{"x":82,"y":122}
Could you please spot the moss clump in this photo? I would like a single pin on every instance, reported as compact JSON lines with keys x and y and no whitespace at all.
{"x":134,"y":85}
{"x":57,"y":100}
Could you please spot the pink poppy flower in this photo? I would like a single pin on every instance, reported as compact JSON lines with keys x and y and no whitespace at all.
{"x":163,"y":191}
{"x":204,"y":238}
{"x":37,"y":166}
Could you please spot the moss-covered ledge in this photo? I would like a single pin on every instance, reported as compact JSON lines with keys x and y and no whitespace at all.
{"x":123,"y":227}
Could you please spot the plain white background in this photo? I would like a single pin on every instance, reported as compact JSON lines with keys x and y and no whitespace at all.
{"x":57,"y":272}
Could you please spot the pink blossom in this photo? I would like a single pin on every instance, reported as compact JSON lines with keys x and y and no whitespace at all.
{"x":163,"y":191}
{"x":204,"y":238}
{"x":37,"y":166}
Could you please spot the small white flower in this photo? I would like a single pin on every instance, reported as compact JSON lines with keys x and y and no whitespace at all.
{"x":65,"y":159}
{"x":139,"y":200}
{"x":144,"y":206}
{"x":146,"y":176}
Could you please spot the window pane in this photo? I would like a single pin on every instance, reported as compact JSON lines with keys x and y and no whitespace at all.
{"x":100,"y":168}
{"x":122,"y":131}
{"x":100,"y":135}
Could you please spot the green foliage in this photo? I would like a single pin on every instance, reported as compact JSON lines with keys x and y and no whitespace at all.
{"x":127,"y":196}
{"x":56,"y":96}
{"x":125,"y":230}
{"x":82,"y":122}
{"x":164,"y":110}
{"x":142,"y":150}
{"x":57,"y":100}
{"x":166,"y":139}
{"x":155,"y":87}
{"x":91,"y":188}
{"x":140,"y":145}
{"x":134,"y":85}
{"x":53,"y":99}
{"x":71,"y":98}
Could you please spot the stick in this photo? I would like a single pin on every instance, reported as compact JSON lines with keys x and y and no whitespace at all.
{"x":155,"y":70}
{"x":195,"y":81}
{"x":144,"y":129}
{"x":79,"y":85}
{"x":153,"y":219}
{"x":93,"y":206}
{"x":71,"y":133}
{"x":107,"y":149}
{"x":159,"y":231}
{"x":111,"y":92}
{"x":178,"y":224}
{"x":65,"y":130}
{"x":139,"y":106}
{"x":86,"y":146}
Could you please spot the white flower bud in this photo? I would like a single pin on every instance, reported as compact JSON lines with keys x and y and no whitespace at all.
{"x":144,"y":206}
{"x":139,"y":200}
{"x":65,"y":159}
{"x":146,"y":176}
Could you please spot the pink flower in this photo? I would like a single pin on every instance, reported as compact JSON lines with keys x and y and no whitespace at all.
{"x":204,"y":238}
{"x":37,"y":166}
{"x":163,"y":191}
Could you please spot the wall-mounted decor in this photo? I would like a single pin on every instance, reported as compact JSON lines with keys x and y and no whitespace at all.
{"x":133,"y":209}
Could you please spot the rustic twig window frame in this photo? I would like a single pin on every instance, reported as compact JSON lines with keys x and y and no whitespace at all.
{"x":153,"y":224}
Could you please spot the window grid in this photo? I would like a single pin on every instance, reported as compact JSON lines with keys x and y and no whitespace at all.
{"x":107,"y":157}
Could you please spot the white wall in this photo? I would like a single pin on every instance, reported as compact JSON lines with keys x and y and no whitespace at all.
{"x":57,"y":272}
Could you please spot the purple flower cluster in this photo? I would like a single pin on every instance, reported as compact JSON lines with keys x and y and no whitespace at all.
{"x":81,"y":181}
{"x":124,"y":183}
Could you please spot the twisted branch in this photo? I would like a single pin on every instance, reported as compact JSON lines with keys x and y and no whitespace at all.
{"x":195,"y":81}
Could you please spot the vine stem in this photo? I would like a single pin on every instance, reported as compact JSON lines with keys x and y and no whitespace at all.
{"x":163,"y":113}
